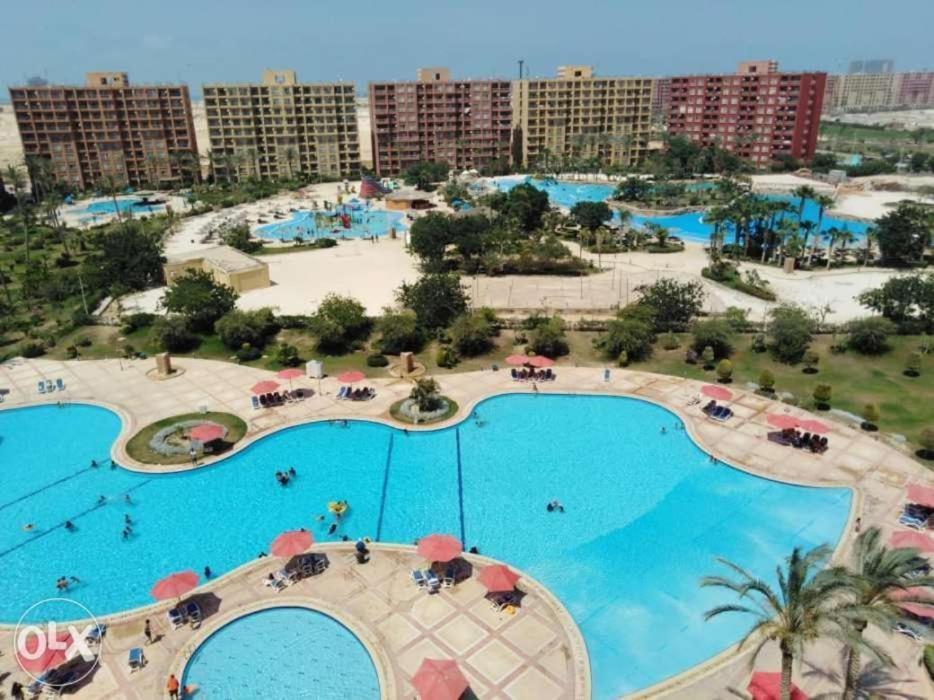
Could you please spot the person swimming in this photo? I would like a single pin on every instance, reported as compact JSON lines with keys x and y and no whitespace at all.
{"x":70,"y":526}
{"x":127,"y":520}
{"x":291,"y":471}
{"x":93,"y":464}
{"x":128,"y":500}
{"x":332,"y":529}
{"x":28,"y":527}
{"x":101,"y":500}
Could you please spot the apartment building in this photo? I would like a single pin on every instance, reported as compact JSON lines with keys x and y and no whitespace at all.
{"x":578,"y":115}
{"x":915,"y":89}
{"x":465,"y":123}
{"x":862,"y":92}
{"x":757,"y":114}
{"x":108,"y":128}
{"x":280,"y":127}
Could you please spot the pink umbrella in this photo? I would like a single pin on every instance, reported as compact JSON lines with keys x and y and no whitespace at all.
{"x":206,"y":432}
{"x":782,"y":421}
{"x":290,"y":373}
{"x":716,"y":392}
{"x":350,"y":376}
{"x":440,"y":547}
{"x":920,"y":494}
{"x":439,"y":679}
{"x":814,"y":426}
{"x":517,"y":360}
{"x":264,"y":387}
{"x":290,"y":543}
{"x":768,"y":686}
{"x":498,"y":578}
{"x":541,"y":361}
{"x":912,"y":540}
{"x":54,"y":651}
{"x":174,"y":585}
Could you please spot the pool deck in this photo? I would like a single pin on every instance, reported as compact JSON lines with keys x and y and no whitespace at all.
{"x":380,"y":592}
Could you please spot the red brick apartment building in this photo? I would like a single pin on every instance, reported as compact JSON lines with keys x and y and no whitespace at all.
{"x":137,"y":135}
{"x":466,"y":123}
{"x":759,"y":113}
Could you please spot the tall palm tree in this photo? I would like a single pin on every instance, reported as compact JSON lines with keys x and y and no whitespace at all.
{"x":803,"y":193}
{"x":799,"y":612}
{"x":18,"y":183}
{"x":877,"y":575}
{"x":806,"y":227}
{"x":831,"y":236}
{"x":870,"y":237}
{"x":823,"y":203}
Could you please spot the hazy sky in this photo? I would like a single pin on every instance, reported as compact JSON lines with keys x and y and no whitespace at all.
{"x":197,"y":41}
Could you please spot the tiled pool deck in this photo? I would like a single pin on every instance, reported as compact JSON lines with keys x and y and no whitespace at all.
{"x":538,"y":653}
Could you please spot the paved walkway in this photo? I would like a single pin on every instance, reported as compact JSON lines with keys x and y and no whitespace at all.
{"x":877,"y":472}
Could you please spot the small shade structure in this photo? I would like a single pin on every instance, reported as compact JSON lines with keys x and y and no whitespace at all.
{"x":441,"y":548}
{"x":920,"y":494}
{"x":290,"y":543}
{"x":912,"y":540}
{"x":498,"y":578}
{"x":716,"y":392}
{"x":439,"y":679}
{"x":516,"y":360}
{"x":290,"y":373}
{"x":350,"y":377}
{"x":264,"y":387}
{"x":782,"y":421}
{"x":54,"y":651}
{"x":174,"y":585}
{"x":541,"y":361}
{"x":206,"y":432}
{"x":814,"y":426}
{"x":767,"y":686}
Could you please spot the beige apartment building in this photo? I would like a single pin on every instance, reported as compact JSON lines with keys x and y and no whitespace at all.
{"x":856,"y":92}
{"x":281,"y":127}
{"x":578,"y":115}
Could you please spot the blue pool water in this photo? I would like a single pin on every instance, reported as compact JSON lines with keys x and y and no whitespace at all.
{"x":364,"y":223}
{"x":285,"y":653}
{"x":690,"y":226}
{"x":106,"y":206}
{"x":645,"y":517}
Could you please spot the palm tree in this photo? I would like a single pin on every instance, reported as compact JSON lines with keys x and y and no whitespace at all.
{"x":18,"y":183}
{"x":291,"y":155}
{"x":823,"y":203}
{"x":50,"y":207}
{"x":108,"y":185}
{"x":806,"y":227}
{"x":878,"y":574}
{"x":832,"y":235}
{"x":799,"y":612}
{"x":803,"y":193}
{"x":870,"y":237}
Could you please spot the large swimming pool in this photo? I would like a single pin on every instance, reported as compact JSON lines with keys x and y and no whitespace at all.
{"x":344,"y":222}
{"x":286,"y":653}
{"x":645,"y":516}
{"x":690,"y":226}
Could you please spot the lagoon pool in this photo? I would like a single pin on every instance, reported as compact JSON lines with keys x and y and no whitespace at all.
{"x":690,"y":226}
{"x":344,"y":222}
{"x":285,"y":652}
{"x":133,"y":205}
{"x":646,"y":514}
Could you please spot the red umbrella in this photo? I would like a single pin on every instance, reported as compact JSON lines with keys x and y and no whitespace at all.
{"x":517,"y":360}
{"x":206,"y":432}
{"x":541,"y":361}
{"x":439,"y":679}
{"x":782,"y":421}
{"x":41,"y":652}
{"x":768,"y":686}
{"x":174,"y":585}
{"x":264,"y":387}
{"x":716,"y":392}
{"x":350,"y":376}
{"x":920,"y":494}
{"x":439,"y":547}
{"x":498,"y":578}
{"x":289,"y":373}
{"x":814,"y":426}
{"x":912,"y":540}
{"x":290,"y":543}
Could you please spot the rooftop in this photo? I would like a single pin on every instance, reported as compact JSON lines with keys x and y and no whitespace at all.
{"x":222,"y":257}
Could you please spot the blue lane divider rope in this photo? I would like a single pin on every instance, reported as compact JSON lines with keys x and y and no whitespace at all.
{"x":382,"y":499}
{"x":460,"y":486}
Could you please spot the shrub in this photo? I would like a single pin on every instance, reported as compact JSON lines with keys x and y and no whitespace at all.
{"x":671,"y":342}
{"x":913,"y":364}
{"x":690,"y":357}
{"x":173,"y":333}
{"x":790,"y":331}
{"x":338,"y":323}
{"x":198,"y":297}
{"x":870,"y":416}
{"x":716,"y":333}
{"x":708,"y":356}
{"x":623,"y":359}
{"x":253,"y":327}
{"x":425,"y":394}
{"x":287,"y":355}
{"x":398,"y":332}
{"x":32,"y":349}
{"x":133,"y":322}
{"x":870,"y":336}
{"x":929,"y":660}
{"x":758,"y":343}
{"x":248,"y":353}
{"x":811,"y":360}
{"x":446,"y":357}
{"x":822,"y":395}
{"x":675,"y":303}
{"x":471,"y":334}
{"x":377,"y":359}
{"x":84,"y":342}
{"x":632,"y":332}
{"x":927,"y":441}
{"x":547,"y":338}
{"x":725,"y":370}
{"x":766,"y":381}
{"x":71,"y":352}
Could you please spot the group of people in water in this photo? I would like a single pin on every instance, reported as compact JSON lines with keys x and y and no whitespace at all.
{"x":65,"y":581}
{"x":555,"y":506}
{"x":285,"y":477}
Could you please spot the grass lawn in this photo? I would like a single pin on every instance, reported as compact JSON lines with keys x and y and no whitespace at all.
{"x":138,"y":445}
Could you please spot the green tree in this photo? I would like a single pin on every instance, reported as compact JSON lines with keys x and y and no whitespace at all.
{"x":591,"y":215}
{"x":799,"y":612}
{"x":715,"y":332}
{"x":399,"y":332}
{"x":126,"y":257}
{"x":823,"y":202}
{"x":870,"y":336}
{"x":903,"y":234}
{"x":339,"y":322}
{"x":429,"y":238}
{"x":524,"y":205}
{"x":878,"y":580}
{"x":287,"y":355}
{"x":436,"y":298}
{"x":254,"y":327}
{"x":426,"y":394}
{"x":790,"y":330}
{"x":633,"y":189}
{"x":547,"y":338}
{"x":238,"y":236}
{"x":632,"y":332}
{"x":471,"y":334}
{"x":172,"y":333}
{"x":675,"y":303}
{"x":425,"y":174}
{"x":199,"y":298}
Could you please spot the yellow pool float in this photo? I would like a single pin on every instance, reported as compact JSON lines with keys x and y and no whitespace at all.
{"x":338,"y":507}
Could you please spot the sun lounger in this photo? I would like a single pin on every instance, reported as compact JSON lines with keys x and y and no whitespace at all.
{"x":40,"y":386}
{"x":60,"y":384}
{"x":721,"y":413}
{"x":96,"y":634}
{"x":515,"y":374}
{"x":49,"y":386}
{"x":255,"y":401}
{"x":912,"y":521}
{"x":419,"y":578}
{"x":274,"y":583}
{"x":136,"y":659}
{"x":434,"y":583}
{"x":447,"y":580}
{"x":263,"y":401}
{"x":342,"y":392}
{"x":193,"y":613}
{"x":176,"y":619}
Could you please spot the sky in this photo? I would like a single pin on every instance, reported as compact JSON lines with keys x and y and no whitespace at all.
{"x":198,"y":41}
